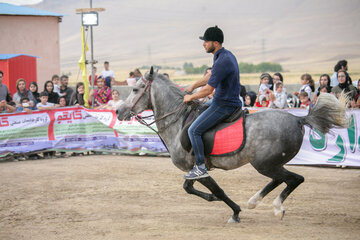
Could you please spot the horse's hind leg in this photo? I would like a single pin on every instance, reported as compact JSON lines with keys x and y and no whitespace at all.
{"x":189,"y":188}
{"x":256,"y":199}
{"x":280,"y":175}
{"x":292,"y":180}
{"x":210,"y":183}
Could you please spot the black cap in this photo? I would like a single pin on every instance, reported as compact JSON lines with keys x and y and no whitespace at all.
{"x":213,"y":34}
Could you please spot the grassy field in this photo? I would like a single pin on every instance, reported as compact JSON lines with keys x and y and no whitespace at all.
{"x":245,"y":78}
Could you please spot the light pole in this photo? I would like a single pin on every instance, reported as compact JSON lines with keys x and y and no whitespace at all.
{"x":90,"y":18}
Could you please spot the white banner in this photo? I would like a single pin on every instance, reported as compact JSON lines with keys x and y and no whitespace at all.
{"x":339,"y":147}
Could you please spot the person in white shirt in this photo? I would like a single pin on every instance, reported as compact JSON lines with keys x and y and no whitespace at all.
{"x":55,"y":79}
{"x":44,"y":104}
{"x":278,"y":98}
{"x":107,"y":72}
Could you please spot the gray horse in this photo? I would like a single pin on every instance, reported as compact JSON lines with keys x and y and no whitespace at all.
{"x":267,"y":147}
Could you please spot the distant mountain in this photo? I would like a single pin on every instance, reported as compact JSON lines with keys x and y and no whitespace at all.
{"x":299,"y":34}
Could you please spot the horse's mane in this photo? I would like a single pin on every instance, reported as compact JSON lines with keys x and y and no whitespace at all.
{"x":174,"y":89}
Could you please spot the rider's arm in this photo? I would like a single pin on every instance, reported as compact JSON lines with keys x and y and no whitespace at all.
{"x":205,"y":91}
{"x":201,"y":82}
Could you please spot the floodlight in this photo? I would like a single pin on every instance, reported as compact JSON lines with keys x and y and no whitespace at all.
{"x":90,"y":19}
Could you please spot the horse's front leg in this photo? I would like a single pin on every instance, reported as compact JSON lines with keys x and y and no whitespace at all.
{"x":210,"y":183}
{"x":189,"y":188}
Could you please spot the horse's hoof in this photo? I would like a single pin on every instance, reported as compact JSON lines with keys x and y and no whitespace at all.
{"x":254,"y":201}
{"x":251,"y":205}
{"x":279,"y":213}
{"x":234,"y":220}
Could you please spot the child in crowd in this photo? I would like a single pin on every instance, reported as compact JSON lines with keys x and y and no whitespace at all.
{"x":307,"y":85}
{"x":24,"y":105}
{"x":278,"y":100}
{"x":62,"y":101}
{"x":115,"y":102}
{"x":44,"y":104}
{"x":264,"y":84}
{"x":305,"y":101}
{"x":55,"y":80}
{"x":262,"y":101}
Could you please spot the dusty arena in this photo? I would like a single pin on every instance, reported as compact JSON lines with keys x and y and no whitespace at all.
{"x":128,"y":197}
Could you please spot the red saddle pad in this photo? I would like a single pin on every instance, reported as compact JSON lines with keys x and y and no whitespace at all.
{"x":229,"y":139}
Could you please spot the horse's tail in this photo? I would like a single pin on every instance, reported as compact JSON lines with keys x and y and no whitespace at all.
{"x":328,"y":112}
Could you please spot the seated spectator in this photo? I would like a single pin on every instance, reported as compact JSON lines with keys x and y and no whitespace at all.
{"x":53,"y":97}
{"x":166,"y":75}
{"x":279,"y":98}
{"x":25,"y":106}
{"x":33,"y":87}
{"x":55,"y":80}
{"x":95,"y":77}
{"x":44,"y":104}
{"x":304,"y":100}
{"x":78,"y":96}
{"x":6,"y":107}
{"x":308,"y":85}
{"x":23,"y":92}
{"x":262,"y":100}
{"x":109,"y":81}
{"x":64,"y":89}
{"x":343,"y":78}
{"x":250,"y":98}
{"x":4,"y":91}
{"x":102,"y":94}
{"x":115,"y":103}
{"x":264,"y":84}
{"x":131,"y":81}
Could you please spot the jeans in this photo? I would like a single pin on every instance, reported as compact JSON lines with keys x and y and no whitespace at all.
{"x":209,"y":118}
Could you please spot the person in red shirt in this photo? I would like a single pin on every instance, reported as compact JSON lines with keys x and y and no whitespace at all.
{"x":262,"y":101}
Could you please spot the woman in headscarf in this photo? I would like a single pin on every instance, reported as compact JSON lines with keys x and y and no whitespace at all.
{"x":53,"y":96}
{"x":343,"y":78}
{"x":102,"y":94}
{"x":23,"y":92}
{"x":78,"y":97}
{"x":33,"y":87}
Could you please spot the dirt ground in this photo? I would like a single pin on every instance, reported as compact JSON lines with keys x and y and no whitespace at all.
{"x":126,"y":197}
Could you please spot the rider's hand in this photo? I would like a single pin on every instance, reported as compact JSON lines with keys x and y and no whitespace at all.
{"x":187,"y":98}
{"x":189,"y":89}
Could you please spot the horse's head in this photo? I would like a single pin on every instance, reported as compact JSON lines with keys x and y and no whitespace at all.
{"x":139,"y":98}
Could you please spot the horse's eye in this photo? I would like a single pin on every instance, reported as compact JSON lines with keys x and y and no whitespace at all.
{"x":135,"y":90}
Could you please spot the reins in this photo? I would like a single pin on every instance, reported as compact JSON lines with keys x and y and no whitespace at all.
{"x":141,"y":119}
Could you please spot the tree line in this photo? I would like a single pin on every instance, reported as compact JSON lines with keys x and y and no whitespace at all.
{"x":243,"y":66}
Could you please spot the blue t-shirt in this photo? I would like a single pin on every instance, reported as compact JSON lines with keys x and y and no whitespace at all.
{"x":225,"y":79}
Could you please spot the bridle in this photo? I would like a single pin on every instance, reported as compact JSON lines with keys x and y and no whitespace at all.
{"x":141,"y":119}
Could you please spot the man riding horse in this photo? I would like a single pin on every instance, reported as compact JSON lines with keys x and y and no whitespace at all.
{"x":224,"y":78}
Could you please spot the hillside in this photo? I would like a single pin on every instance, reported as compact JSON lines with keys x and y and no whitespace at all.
{"x":302,"y":35}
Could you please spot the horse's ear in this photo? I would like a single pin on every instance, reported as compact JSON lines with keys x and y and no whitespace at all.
{"x":151,"y":74}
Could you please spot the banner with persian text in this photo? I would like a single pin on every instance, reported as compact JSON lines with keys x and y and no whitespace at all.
{"x":81,"y":129}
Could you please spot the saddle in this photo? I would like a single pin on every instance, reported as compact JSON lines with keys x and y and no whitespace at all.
{"x":225,"y":139}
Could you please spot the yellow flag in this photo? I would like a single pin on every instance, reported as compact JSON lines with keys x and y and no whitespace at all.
{"x":82,"y":65}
